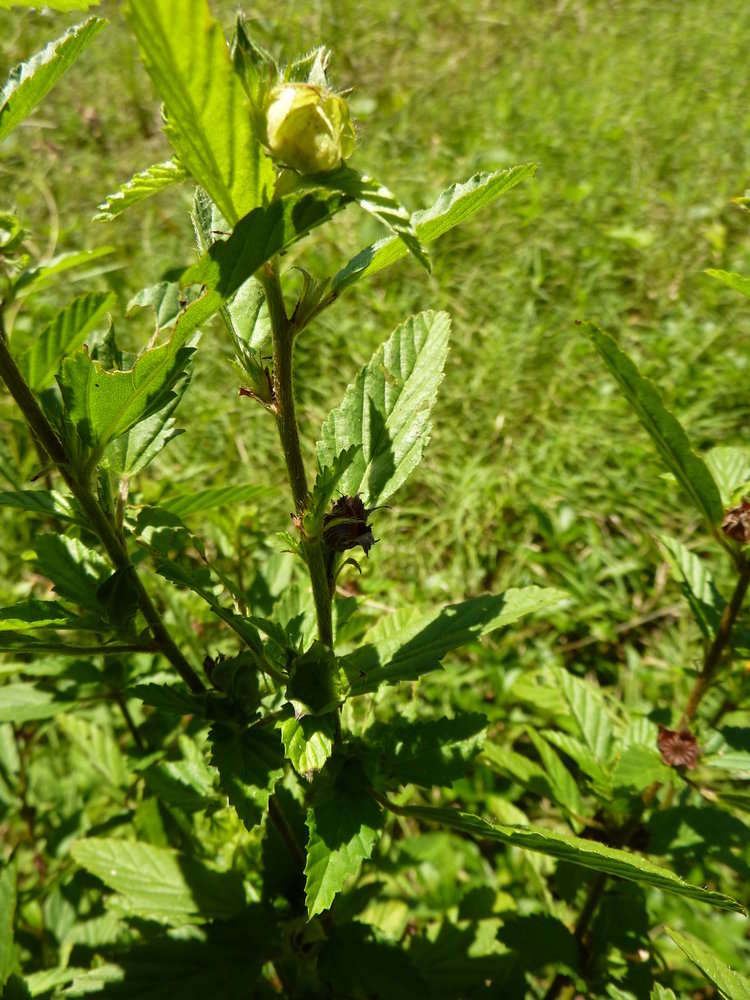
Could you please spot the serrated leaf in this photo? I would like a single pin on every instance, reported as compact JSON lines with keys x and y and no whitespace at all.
{"x":375,"y":199}
{"x":212,"y":498}
{"x":102,"y":405}
{"x":436,"y":752}
{"x":130,"y":453}
{"x":589,"y":712}
{"x":664,"y":429}
{"x":142,"y":185}
{"x":249,"y":764}
{"x":562,"y":783}
{"x":386,"y":410}
{"x":7,"y":917}
{"x":169,"y":698}
{"x":412,"y":641}
{"x":662,"y":993}
{"x":209,"y":122}
{"x":29,"y":615}
{"x":75,"y":570}
{"x":455,"y":205}
{"x":583,"y":757}
{"x":47,"y":503}
{"x":517,"y":767}
{"x":31,"y":81}
{"x":638,"y":767}
{"x":308,"y":742}
{"x":576,"y":851}
{"x":696,"y":582}
{"x":67,"y":331}
{"x":730,"y":468}
{"x":326,"y":483}
{"x":732,"y":984}
{"x":42,"y":275}
{"x":98,"y":746}
{"x":160,"y":883}
{"x":344,"y":826}
{"x":736,"y":281}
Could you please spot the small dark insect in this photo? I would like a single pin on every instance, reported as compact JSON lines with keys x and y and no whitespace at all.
{"x":678,"y":749}
{"x":346,"y":527}
{"x":736,"y":522}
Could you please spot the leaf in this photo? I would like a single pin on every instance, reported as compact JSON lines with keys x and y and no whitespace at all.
{"x":561,"y":781}
{"x":31,"y":81}
{"x":37,"y":278}
{"x":209,"y":121}
{"x":665,"y":431}
{"x":308,"y":742}
{"x":662,"y":993}
{"x":575,"y":850}
{"x":67,"y":331}
{"x":583,"y":757}
{"x":249,"y":764}
{"x":75,"y":570}
{"x":697,"y":584}
{"x":214,"y":497}
{"x":344,"y":826}
{"x":386,"y":410}
{"x":326,"y":482}
{"x":142,"y":185}
{"x":25,"y":702}
{"x":34,"y":614}
{"x":733,"y":985}
{"x":169,"y":698}
{"x":730,"y":468}
{"x":436,"y":752}
{"x":455,"y":205}
{"x":736,"y":281}
{"x":640,"y":766}
{"x":130,"y":453}
{"x":375,"y":199}
{"x":101,"y":405}
{"x":47,"y":503}
{"x":7,"y":918}
{"x":160,"y":883}
{"x":404,"y":645}
{"x":589,"y":712}
{"x":99,"y":747}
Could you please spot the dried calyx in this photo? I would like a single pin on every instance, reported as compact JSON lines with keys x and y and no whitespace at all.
{"x":346,"y":527}
{"x":678,"y":748}
{"x":736,"y":523}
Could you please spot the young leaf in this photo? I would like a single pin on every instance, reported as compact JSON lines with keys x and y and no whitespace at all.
{"x":308,"y":742}
{"x":575,"y":850}
{"x":142,"y":185}
{"x":386,"y":410}
{"x":67,"y":331}
{"x":249,"y":764}
{"x":733,"y":985}
{"x":326,"y":482}
{"x":158,"y":883}
{"x":589,"y":712}
{"x":31,"y":81}
{"x":7,"y":919}
{"x":404,"y":645}
{"x":455,"y":205}
{"x":736,"y":281}
{"x":208,"y":123}
{"x":378,"y":201}
{"x":665,"y":431}
{"x":344,"y":825}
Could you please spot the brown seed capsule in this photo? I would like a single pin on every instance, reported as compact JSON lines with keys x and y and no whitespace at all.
{"x":346,"y":526}
{"x":736,"y":523}
{"x":678,"y":749}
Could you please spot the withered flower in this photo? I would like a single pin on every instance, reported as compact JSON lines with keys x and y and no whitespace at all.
{"x":346,"y":527}
{"x":736,"y":523}
{"x":678,"y":749}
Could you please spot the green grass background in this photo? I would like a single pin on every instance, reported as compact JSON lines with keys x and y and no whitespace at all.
{"x":637,"y":114}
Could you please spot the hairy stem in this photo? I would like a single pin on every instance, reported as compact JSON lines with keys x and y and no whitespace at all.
{"x":95,"y":515}
{"x":283,"y":388}
{"x":716,"y":649}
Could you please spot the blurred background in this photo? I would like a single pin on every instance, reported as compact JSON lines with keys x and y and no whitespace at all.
{"x":638,"y":116}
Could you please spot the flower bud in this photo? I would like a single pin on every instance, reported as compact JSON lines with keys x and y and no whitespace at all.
{"x":308,"y":128}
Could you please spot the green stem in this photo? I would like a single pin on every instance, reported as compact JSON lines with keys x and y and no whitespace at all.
{"x":716,"y":649}
{"x":283,"y":388}
{"x":96,"y":517}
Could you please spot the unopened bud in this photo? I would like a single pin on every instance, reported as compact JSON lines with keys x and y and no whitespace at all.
{"x":308,"y":128}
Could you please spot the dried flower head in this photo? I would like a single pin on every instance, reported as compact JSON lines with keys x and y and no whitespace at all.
{"x":346,"y":527}
{"x":678,"y":749}
{"x":736,"y":523}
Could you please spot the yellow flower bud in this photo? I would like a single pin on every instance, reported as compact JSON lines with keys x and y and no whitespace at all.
{"x":308,"y":128}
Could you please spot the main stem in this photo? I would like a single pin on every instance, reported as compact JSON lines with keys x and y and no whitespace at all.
{"x":286,"y":419}
{"x":95,"y":515}
{"x":717,"y":647}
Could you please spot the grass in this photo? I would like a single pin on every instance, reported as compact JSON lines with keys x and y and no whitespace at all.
{"x":536,"y":471}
